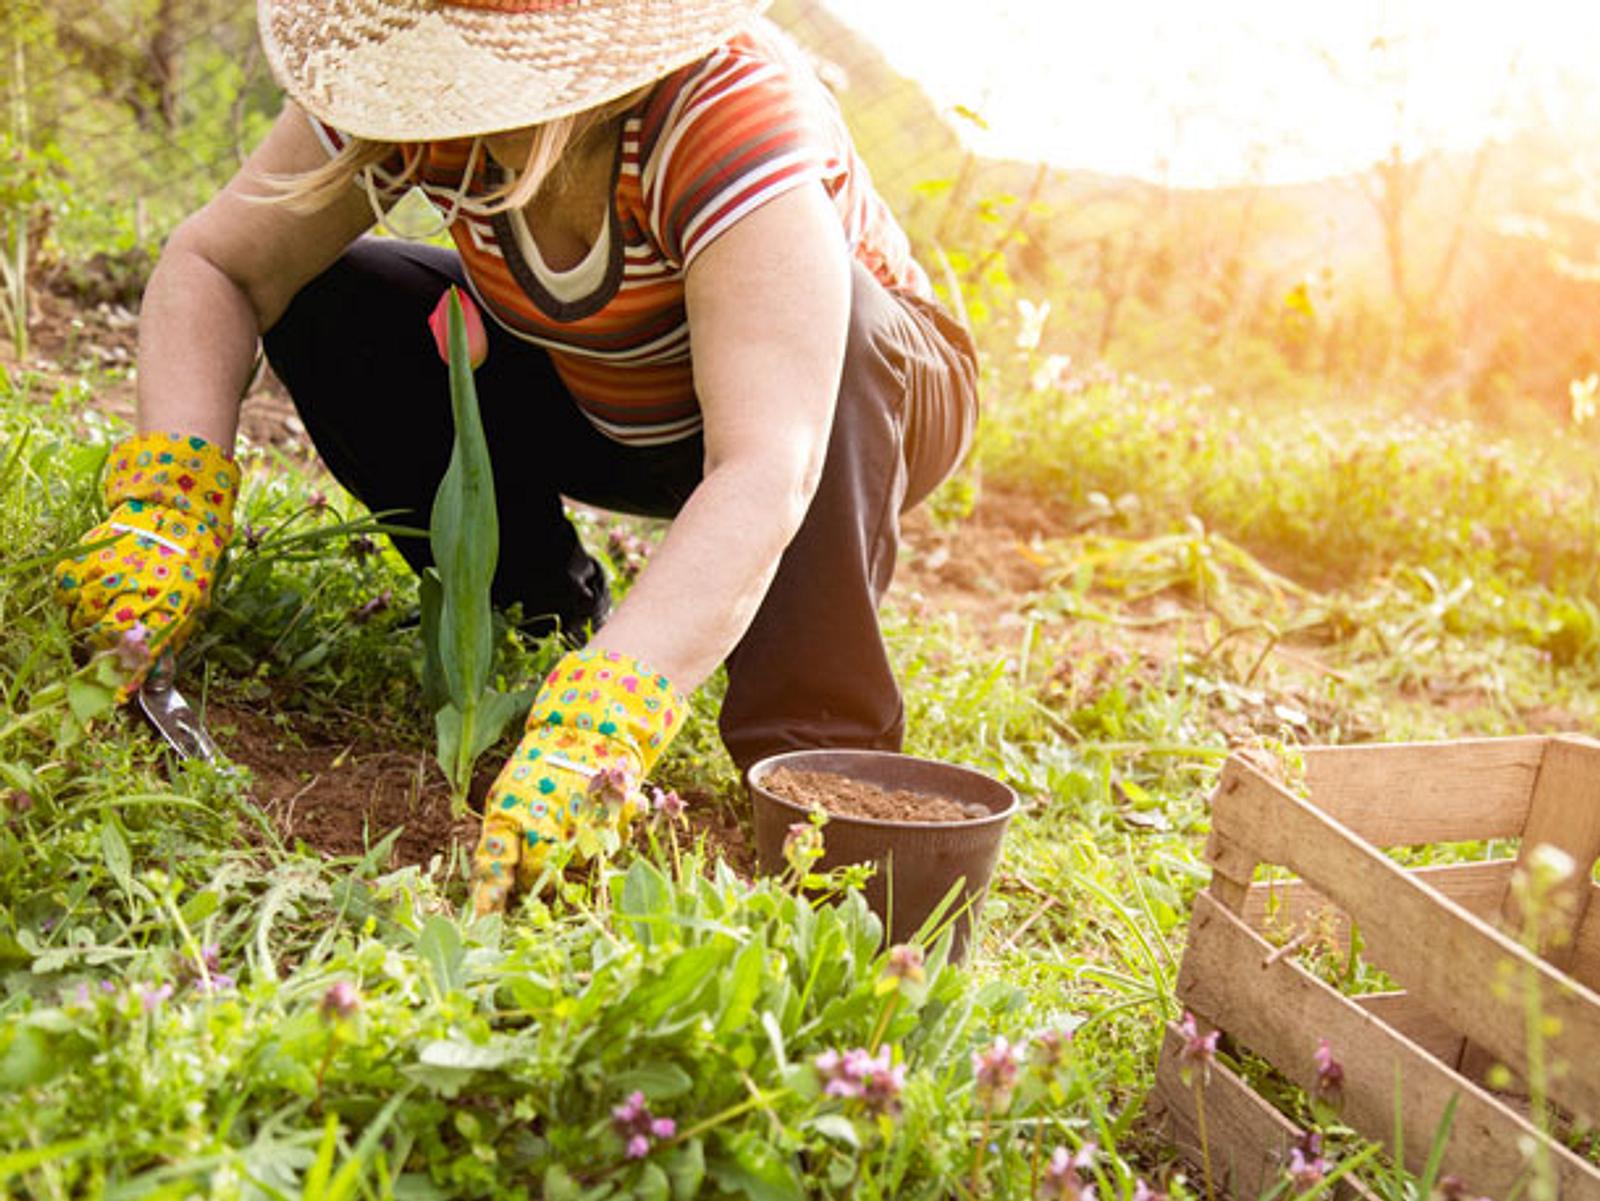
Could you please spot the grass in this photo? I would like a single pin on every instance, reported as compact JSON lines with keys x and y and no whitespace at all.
{"x":1215,"y":579}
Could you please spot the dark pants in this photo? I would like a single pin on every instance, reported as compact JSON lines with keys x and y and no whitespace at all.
{"x":356,"y":355}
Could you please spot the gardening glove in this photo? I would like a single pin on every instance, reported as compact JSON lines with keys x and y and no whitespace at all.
{"x":171,"y":499}
{"x":598,"y":724}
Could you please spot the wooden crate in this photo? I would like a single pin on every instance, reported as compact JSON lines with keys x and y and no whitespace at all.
{"x":1448,"y":935}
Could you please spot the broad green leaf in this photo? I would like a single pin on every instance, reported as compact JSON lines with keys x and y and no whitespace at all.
{"x":201,"y":906}
{"x":440,"y":947}
{"x":657,"y":1081}
{"x":27,"y":1058}
{"x":837,"y":1127}
{"x":754,"y":1169}
{"x":496,"y":711}
{"x":687,"y":975}
{"x":430,"y":592}
{"x":645,"y":894}
{"x":742,"y":989}
{"x":114,"y":848}
{"x":458,"y":1053}
{"x":88,"y":701}
{"x":447,"y":730}
{"x":686,"y":1168}
{"x":559,"y":1185}
{"x":464,"y":533}
{"x":652,"y":1184}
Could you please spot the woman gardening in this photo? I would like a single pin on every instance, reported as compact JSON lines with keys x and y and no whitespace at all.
{"x":700,"y":310}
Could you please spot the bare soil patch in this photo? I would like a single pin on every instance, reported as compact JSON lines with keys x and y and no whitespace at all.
{"x":340,"y":795}
{"x":847,"y":797}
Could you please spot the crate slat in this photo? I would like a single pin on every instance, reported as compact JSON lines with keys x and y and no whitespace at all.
{"x":1405,"y":793}
{"x":1443,"y":955}
{"x":1250,"y":1141}
{"x":1283,"y":907}
{"x":1278,"y":1010}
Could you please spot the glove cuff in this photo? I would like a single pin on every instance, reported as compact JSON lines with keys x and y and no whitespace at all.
{"x":179,"y":472}
{"x":614,"y":695}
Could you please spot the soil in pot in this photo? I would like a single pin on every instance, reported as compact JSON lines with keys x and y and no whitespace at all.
{"x":847,"y":797}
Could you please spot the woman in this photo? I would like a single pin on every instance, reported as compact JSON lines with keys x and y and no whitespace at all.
{"x":701,"y":310}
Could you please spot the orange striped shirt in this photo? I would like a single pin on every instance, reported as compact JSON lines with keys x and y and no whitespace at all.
{"x":708,"y":145}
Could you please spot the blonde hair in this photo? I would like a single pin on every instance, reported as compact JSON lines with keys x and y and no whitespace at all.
{"x":359,"y":159}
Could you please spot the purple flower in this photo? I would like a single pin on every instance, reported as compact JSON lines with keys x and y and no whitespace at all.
{"x":361,"y":546}
{"x":609,"y":787}
{"x":151,"y":997}
{"x":996,"y":1066}
{"x":638,"y":1127}
{"x":341,"y":1001}
{"x":1064,"y":1175}
{"x":1306,"y":1165}
{"x":369,"y":609}
{"x":1050,"y":1048}
{"x":1198,"y":1049}
{"x":669,"y":805}
{"x":206,"y":974}
{"x":1453,"y":1188}
{"x":1330,"y":1072}
{"x":132,"y":647}
{"x":858,"y":1075}
{"x":1143,"y":1192}
{"x":19,"y":801}
{"x":905,"y":963}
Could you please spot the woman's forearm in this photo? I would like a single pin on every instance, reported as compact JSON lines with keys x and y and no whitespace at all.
{"x":197,"y":346}
{"x":702,"y":587}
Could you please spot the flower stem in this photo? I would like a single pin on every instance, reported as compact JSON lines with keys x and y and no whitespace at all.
{"x":977,"y":1158}
{"x":882,"y":1027}
{"x":1200,"y":1129}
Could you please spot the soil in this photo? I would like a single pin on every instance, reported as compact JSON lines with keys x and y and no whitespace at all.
{"x":341,"y":795}
{"x":847,"y":797}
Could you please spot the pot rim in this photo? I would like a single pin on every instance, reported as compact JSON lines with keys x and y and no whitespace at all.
{"x":998,"y":817}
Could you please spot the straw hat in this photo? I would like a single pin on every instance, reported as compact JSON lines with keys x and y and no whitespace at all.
{"x":418,"y":70}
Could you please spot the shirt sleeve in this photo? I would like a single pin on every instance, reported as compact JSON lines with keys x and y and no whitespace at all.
{"x":744,"y":129}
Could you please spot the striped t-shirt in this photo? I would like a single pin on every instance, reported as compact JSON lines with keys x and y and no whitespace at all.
{"x":709,"y":144}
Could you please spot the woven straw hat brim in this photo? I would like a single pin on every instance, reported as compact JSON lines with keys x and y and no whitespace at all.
{"x":421,"y":70}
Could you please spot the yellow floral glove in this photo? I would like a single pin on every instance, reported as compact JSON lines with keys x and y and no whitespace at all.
{"x":171,"y":498}
{"x":597,"y":726}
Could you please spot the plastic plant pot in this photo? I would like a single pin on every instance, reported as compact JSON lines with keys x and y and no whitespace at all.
{"x":918,"y":863}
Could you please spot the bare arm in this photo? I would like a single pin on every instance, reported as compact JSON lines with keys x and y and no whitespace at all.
{"x":769,"y":308}
{"x":224,"y":277}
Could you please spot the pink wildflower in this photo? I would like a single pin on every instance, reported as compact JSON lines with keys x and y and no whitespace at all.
{"x":639,"y":1128}
{"x":905,"y":963}
{"x":858,"y":1075}
{"x":342,"y":1000}
{"x":669,"y":805}
{"x":610,"y":787}
{"x":1065,"y":1175}
{"x":1330,"y":1072}
{"x":1307,"y":1167}
{"x":1198,"y":1049}
{"x":996,"y":1066}
{"x":133,"y":647}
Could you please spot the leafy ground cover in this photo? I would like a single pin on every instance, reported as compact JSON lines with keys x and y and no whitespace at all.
{"x":259,"y":981}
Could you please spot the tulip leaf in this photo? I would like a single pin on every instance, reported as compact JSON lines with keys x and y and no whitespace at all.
{"x":464,"y":534}
{"x":435,"y":692}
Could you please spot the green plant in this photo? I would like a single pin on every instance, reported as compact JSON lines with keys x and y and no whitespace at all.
{"x":457,"y":624}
